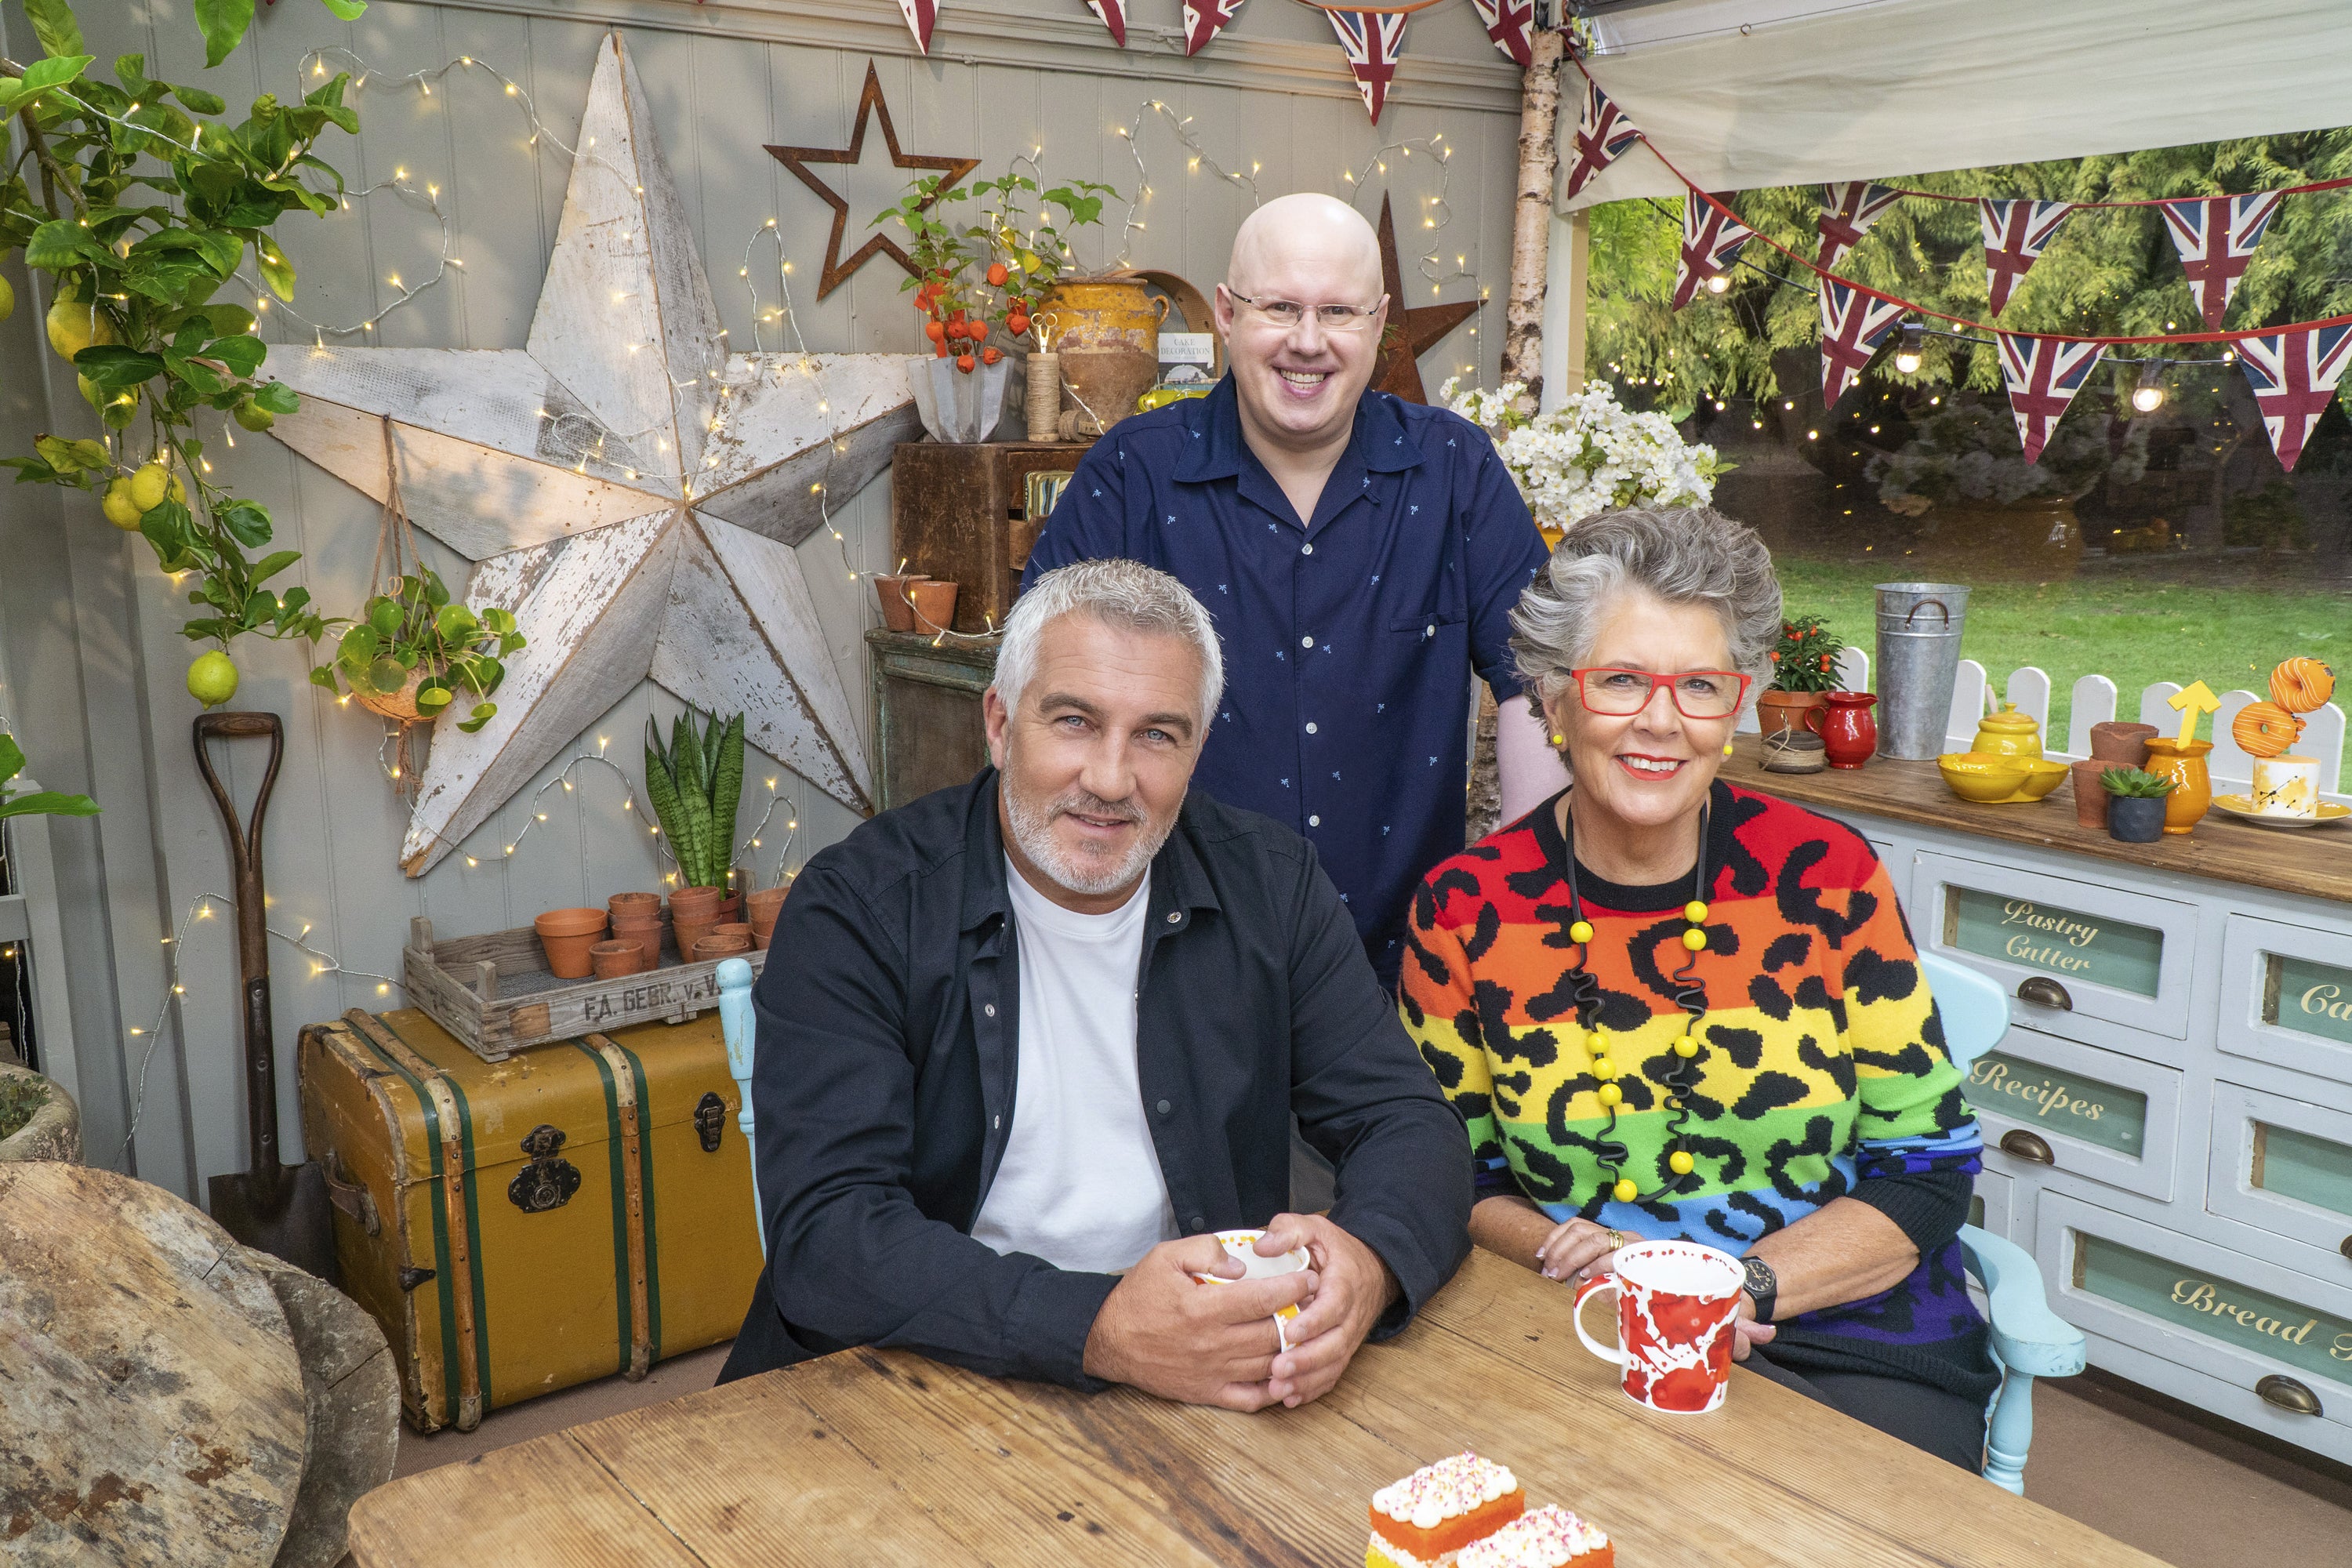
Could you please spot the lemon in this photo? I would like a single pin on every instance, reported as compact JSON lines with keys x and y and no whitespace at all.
{"x":148,"y":485}
{"x":89,"y":391}
{"x":75,"y":324}
{"x":178,"y":491}
{"x":121,"y":510}
{"x":7,"y":300}
{"x":212,"y":680}
{"x":254,"y":417}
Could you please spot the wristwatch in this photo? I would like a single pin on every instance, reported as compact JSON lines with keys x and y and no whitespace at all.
{"x":1762,"y":1284}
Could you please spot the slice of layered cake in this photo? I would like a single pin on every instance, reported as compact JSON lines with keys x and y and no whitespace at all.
{"x":1425,"y":1520}
{"x":1548,"y":1537}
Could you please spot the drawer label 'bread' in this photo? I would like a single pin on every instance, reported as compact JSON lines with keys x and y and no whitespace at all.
{"x":2058,"y":941}
{"x":2105,"y":1114}
{"x":2309,"y":998}
{"x":2296,"y":1165}
{"x":2235,"y":1315}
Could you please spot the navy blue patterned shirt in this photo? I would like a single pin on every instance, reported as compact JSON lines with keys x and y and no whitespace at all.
{"x":1349,"y":643}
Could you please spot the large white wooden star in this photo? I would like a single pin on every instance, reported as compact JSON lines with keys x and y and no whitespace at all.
{"x":627,"y":487}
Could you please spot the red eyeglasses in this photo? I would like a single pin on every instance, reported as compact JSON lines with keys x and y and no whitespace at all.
{"x":1696,"y":693}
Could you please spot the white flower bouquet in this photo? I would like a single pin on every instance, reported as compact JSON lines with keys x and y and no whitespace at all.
{"x":1587,"y":454}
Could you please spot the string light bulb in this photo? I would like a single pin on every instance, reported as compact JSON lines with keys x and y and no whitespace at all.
{"x":1907,"y":358}
{"x":2148,"y":395}
{"x":1720,"y":283}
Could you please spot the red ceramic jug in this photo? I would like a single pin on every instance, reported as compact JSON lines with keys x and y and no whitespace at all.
{"x":1849,"y":734}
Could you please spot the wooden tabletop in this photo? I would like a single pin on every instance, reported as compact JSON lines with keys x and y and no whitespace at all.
{"x":2315,"y":861}
{"x":884,"y":1458}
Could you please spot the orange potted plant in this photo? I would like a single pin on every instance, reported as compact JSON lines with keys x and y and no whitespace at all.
{"x":1805,"y":672}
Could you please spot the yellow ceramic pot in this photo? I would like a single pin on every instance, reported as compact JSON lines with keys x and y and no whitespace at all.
{"x":2182,"y":762}
{"x":2008,"y":733}
{"x":1980,"y":778}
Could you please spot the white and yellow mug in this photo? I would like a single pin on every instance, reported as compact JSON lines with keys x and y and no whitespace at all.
{"x":2287,"y":786}
{"x":1242,"y":1246}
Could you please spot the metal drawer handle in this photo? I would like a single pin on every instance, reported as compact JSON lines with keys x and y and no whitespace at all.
{"x":2027,"y":1145}
{"x":2345,"y":1247}
{"x":2288,"y":1394}
{"x":2044,"y":993}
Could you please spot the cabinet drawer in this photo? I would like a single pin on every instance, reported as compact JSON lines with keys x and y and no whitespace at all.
{"x":2101,"y":952}
{"x":2283,"y":1166}
{"x":2111,"y":1118}
{"x":2236,"y":1320}
{"x":1988,"y":1206}
{"x":2286,"y":996}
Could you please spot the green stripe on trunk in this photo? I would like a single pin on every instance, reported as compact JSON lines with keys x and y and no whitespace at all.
{"x":440,"y":1229}
{"x":474,"y":1243}
{"x":645,"y":1175}
{"x":620,"y":1195}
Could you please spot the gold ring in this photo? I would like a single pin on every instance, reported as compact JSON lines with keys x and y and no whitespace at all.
{"x":1616,"y":1239}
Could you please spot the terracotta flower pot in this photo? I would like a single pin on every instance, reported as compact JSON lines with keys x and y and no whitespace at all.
{"x":2090,"y":799}
{"x":1777,"y":710}
{"x":2121,"y":745}
{"x":890,"y":587}
{"x":566,"y":935}
{"x":731,"y":908}
{"x":732,"y":929}
{"x":934,"y":605}
{"x":715,"y":946}
{"x":615,"y":959}
{"x":763,"y":905}
{"x":692,"y":912}
{"x":637,"y":906}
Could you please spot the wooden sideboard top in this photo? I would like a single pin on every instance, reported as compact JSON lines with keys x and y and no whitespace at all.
{"x":2315,"y":862}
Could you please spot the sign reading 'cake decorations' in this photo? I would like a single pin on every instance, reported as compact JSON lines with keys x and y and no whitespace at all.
{"x":2235,"y":1315}
{"x":2309,"y":998}
{"x":2105,"y":1114}
{"x":2296,"y":1165}
{"x":2054,"y":941}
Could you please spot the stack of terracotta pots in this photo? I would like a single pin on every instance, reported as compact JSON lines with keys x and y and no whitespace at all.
{"x":726,"y":938}
{"x":636,"y":935}
{"x":566,"y":935}
{"x":693,"y":912}
{"x":2113,"y":745}
{"x":765,"y":904}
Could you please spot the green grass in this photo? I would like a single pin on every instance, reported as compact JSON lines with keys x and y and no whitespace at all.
{"x":2132,"y":629}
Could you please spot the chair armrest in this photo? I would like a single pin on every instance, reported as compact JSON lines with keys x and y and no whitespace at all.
{"x":2027,"y":1335}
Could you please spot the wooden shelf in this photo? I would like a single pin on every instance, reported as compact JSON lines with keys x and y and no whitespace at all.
{"x":2315,"y":862}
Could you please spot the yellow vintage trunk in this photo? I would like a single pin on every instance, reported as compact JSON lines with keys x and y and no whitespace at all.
{"x":580,"y":1209}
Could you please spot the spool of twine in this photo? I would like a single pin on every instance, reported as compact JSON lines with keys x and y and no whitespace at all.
{"x":1043,"y":406}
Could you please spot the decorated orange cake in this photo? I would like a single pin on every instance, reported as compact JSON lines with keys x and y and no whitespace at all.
{"x":1548,"y":1537}
{"x":1425,"y":1520}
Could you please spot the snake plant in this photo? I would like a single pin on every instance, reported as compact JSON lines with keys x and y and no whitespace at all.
{"x":695,"y":784}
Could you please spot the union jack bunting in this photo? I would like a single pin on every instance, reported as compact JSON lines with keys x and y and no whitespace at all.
{"x":1205,"y":19}
{"x":1374,"y":41}
{"x":2014,"y":234}
{"x":2042,"y":376}
{"x":2216,"y":236}
{"x":1511,"y":26}
{"x":2294,"y":375}
{"x":920,"y":15}
{"x":1847,"y":212}
{"x":1602,"y":136}
{"x":1114,"y":17}
{"x":1853,"y":323}
{"x":1709,"y":242}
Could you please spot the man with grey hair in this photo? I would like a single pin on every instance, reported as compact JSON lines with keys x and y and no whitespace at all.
{"x":1027,"y":1043}
{"x":1361,"y":555}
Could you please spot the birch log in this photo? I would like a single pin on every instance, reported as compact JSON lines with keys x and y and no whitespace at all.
{"x":1531,"y":215}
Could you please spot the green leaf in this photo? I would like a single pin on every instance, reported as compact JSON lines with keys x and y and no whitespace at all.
{"x":385,"y":616}
{"x":454,"y":622}
{"x":247,"y":522}
{"x":323,"y":675}
{"x":275,"y":270}
{"x":243,"y":355}
{"x":114,"y":367}
{"x":273,"y":564}
{"x":227,"y":321}
{"x":200,"y":100}
{"x":278,"y":397}
{"x":346,"y":10}
{"x":59,"y":244}
{"x":358,"y":648}
{"x":166,"y":527}
{"x":223,"y":24}
{"x":58,"y":452}
{"x":54,"y":71}
{"x":54,"y":26}
{"x":12,"y":758}
{"x":483,"y":713}
{"x":433,"y":700}
{"x":48,"y":803}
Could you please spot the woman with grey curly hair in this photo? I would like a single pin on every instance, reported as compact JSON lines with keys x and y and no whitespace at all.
{"x":1668,"y":1007}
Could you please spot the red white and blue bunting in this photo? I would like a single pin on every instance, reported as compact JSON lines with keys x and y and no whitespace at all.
{"x":1511,"y":26}
{"x":1603,"y":135}
{"x":922,"y":15}
{"x":1852,"y":325}
{"x":1848,"y":211}
{"x":2042,"y":376}
{"x":1114,"y":17}
{"x":1205,"y":19}
{"x":2216,"y":236}
{"x":2293,"y":374}
{"x":2015,"y":234}
{"x":1374,"y":42}
{"x":1711,"y":240}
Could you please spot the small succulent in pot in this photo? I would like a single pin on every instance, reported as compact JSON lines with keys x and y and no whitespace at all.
{"x":2136,"y":811}
{"x":412,"y":650}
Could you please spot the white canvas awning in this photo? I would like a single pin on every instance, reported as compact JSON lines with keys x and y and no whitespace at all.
{"x":1741,"y":93}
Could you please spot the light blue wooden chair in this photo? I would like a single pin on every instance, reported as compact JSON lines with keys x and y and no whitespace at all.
{"x":2029,"y":1339}
{"x":735,"y":1020}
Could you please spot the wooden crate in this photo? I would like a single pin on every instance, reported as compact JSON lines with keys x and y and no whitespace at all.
{"x":495,"y":994}
{"x":928,"y":730}
{"x":969,"y":513}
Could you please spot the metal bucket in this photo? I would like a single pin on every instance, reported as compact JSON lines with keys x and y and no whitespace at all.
{"x":1919,"y":658}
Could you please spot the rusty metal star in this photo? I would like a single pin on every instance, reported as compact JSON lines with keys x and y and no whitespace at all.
{"x":1411,"y":332}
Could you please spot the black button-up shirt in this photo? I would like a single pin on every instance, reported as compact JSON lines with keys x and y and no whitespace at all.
{"x":883,"y":1089}
{"x":1349,"y":642}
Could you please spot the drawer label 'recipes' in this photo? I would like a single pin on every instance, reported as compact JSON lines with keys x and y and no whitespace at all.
{"x":2063,"y":942}
{"x":2105,"y":1114}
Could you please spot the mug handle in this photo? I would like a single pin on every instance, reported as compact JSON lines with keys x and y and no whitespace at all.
{"x":1584,"y":1292}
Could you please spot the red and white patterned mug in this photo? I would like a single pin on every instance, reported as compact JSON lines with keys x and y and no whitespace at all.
{"x":1675,"y":1303}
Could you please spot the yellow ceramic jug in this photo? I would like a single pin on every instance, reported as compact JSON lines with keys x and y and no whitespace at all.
{"x":2008,"y":733}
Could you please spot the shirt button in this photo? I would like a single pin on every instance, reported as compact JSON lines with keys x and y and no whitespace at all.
{"x":1174,"y":916}
{"x":1310,"y":726}
{"x":1305,"y":642}
{"x":1163,"y":1107}
{"x":989,"y":1009}
{"x":1197,"y":1222}
{"x":1314,"y":822}
{"x":1306,"y":550}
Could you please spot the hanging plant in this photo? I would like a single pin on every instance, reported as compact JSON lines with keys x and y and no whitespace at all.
{"x":413,"y":651}
{"x":696,"y":783}
{"x":141,"y":206}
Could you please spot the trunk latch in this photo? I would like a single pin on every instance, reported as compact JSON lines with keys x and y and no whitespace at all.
{"x":550,"y":1180}
{"x":709,"y":1120}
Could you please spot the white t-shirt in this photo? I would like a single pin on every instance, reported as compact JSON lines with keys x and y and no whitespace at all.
{"x":1080,"y":1185}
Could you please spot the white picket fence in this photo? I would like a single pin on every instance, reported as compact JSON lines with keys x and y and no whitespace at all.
{"x":2095,"y":699}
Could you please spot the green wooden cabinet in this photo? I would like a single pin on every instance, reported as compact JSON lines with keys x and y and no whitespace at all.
{"x":928,"y":732}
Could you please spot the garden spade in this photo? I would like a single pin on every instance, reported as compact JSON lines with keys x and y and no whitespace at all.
{"x":282,"y":1210}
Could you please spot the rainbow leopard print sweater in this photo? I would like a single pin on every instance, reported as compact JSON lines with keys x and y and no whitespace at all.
{"x":1821,"y":1068}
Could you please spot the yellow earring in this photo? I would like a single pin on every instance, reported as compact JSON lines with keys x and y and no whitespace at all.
{"x":1726,"y":748}
{"x":1557,"y":739}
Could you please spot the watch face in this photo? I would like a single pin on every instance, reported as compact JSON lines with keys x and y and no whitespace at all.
{"x":1759,"y":1274}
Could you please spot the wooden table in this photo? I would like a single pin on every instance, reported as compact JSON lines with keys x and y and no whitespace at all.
{"x":884,"y":1458}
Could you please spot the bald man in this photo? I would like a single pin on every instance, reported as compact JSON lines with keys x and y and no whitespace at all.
{"x":1361,"y":556}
